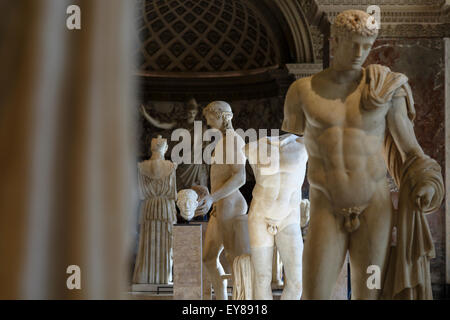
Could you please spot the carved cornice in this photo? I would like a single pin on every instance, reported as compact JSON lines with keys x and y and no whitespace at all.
{"x":405,"y":18}
{"x":395,"y":14}
{"x":415,"y":31}
{"x":303,"y":70}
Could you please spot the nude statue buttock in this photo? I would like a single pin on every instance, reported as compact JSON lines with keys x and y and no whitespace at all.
{"x":231,"y":206}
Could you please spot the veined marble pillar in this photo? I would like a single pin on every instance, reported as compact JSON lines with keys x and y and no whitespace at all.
{"x":187,"y":262}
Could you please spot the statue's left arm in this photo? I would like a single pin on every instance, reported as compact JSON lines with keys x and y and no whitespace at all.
{"x":419,"y":178}
{"x":401,"y":129}
{"x":230,"y":186}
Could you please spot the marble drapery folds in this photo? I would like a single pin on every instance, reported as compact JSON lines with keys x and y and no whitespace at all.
{"x":408,"y":274}
{"x":158,"y":214}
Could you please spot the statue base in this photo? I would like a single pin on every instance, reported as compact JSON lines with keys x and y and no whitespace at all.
{"x":187,"y":262}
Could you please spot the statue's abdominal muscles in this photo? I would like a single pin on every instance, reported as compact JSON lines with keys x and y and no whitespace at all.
{"x":346,"y":164}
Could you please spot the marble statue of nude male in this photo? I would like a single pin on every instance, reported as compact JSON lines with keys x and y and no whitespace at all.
{"x":348,"y":114}
{"x":227,"y":175}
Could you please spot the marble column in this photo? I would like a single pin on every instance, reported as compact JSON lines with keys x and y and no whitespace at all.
{"x":187,"y":262}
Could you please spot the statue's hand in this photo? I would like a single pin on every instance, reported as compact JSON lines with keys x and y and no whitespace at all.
{"x":423,"y":195}
{"x":204,"y":205}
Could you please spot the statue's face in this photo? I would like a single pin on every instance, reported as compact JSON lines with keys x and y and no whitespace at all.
{"x":213,"y":121}
{"x":351,"y":50}
{"x":191,"y":115}
{"x":187,"y":208}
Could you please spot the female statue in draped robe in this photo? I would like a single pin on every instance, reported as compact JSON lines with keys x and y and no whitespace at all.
{"x":157,"y":188}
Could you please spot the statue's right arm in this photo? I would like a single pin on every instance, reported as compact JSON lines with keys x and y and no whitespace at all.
{"x":294,"y":117}
{"x":156,"y":122}
{"x":236,"y":181}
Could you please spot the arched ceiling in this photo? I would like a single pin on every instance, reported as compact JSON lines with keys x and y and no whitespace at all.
{"x":204,"y":36}
{"x":219,"y":48}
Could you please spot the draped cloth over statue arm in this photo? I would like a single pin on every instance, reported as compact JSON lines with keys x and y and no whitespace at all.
{"x":408,"y":273}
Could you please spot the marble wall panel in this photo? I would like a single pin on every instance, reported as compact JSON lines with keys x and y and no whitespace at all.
{"x":422,"y":61}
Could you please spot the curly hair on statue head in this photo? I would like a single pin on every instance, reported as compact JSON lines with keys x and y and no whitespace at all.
{"x":352,"y":21}
{"x":221,"y":109}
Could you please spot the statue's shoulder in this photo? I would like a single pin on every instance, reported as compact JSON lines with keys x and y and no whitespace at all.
{"x":171,"y":165}
{"x":377,"y":71}
{"x":383,"y":85}
{"x":157,"y":168}
{"x":302,"y":84}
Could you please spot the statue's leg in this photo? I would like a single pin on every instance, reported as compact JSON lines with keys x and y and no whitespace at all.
{"x":369,"y":246}
{"x":262,"y":267}
{"x":290,"y":245}
{"x":211,"y":252}
{"x":226,"y":226}
{"x":261,"y":247}
{"x":325,"y":249}
{"x":227,"y":213}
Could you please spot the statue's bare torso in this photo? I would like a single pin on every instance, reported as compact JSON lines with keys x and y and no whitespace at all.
{"x":234,"y":204}
{"x":352,"y":118}
{"x":347,"y":176}
{"x":344,"y":142}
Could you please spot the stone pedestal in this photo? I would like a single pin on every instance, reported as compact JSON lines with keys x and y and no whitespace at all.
{"x":187,"y":262}
{"x":207,"y":286}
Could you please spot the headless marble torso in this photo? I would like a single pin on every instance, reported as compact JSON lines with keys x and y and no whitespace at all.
{"x":277,"y":193}
{"x":274,"y":216}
